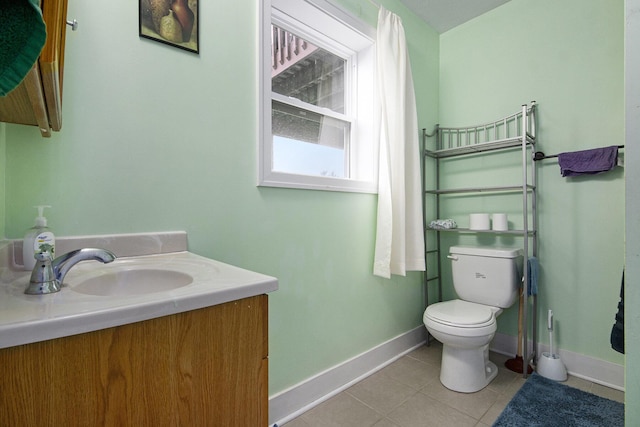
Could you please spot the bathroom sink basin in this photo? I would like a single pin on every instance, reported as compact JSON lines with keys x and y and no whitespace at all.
{"x":132,"y":281}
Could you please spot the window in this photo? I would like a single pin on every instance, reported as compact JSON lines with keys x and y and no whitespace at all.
{"x":316,"y":98}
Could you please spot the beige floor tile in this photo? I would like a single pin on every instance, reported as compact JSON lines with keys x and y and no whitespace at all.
{"x":385,"y":422}
{"x":424,"y":411}
{"x":607,"y":393}
{"x":511,"y":391}
{"x":498,"y":358}
{"x":503,"y":399}
{"x":496,"y":409}
{"x":513,"y":388}
{"x":578,"y":383}
{"x":428,"y":354}
{"x":503,"y":380}
{"x":381,"y":392}
{"x":298,"y":422}
{"x":342,"y":410}
{"x":412,"y":372}
{"x":473,"y":404}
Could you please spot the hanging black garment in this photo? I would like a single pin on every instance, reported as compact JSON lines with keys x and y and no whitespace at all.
{"x":617,"y":332}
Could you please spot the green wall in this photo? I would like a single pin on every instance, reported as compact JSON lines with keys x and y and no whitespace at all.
{"x":568,"y":56}
{"x":155,"y":138}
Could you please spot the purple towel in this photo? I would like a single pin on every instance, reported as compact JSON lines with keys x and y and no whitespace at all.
{"x":588,"y":161}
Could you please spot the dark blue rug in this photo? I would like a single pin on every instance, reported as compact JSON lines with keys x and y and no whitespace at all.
{"x":543,"y":402}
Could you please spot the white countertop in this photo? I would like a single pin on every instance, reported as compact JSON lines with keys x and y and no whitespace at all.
{"x":31,"y":318}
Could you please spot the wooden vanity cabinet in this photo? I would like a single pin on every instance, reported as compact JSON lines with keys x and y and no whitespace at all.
{"x":206,"y":367}
{"x":37,"y":101}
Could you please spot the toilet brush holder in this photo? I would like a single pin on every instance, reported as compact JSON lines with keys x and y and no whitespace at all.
{"x":550,"y":366}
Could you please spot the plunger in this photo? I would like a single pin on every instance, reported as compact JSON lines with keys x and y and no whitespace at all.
{"x":517,"y":363}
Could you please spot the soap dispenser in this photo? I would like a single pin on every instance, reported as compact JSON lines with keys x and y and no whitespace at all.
{"x":38,"y":239}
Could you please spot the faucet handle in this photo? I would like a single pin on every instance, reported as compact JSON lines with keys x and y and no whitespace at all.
{"x":43,"y":279}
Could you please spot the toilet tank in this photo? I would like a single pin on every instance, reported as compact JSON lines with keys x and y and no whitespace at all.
{"x":489,"y":276}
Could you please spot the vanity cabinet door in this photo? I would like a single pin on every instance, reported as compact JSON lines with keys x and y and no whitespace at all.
{"x":205,"y":367}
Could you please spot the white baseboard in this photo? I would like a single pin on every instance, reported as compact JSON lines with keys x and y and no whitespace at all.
{"x":292,"y":402}
{"x":589,"y":368}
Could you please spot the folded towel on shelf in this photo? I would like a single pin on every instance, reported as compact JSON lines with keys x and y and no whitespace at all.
{"x":532,"y":275}
{"x":588,"y":162}
{"x":23,"y":34}
{"x":442,"y":224}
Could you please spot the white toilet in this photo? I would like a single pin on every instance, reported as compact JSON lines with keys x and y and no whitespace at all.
{"x":486,"y":280}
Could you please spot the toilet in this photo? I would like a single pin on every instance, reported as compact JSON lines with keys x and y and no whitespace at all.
{"x":486,"y":281}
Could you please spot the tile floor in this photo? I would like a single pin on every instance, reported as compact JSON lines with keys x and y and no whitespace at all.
{"x":408,"y":393}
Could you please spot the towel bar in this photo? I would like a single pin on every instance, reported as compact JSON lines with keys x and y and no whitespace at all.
{"x":539,"y":155}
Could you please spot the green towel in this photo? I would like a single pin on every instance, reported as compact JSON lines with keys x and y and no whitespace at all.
{"x":22,"y":37}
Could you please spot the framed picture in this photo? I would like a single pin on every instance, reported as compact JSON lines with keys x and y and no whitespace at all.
{"x":172,"y":22}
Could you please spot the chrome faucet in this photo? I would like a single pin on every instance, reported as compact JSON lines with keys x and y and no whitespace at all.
{"x":48,"y":274}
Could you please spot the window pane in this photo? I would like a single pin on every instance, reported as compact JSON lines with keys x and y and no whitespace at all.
{"x":318,"y":143}
{"x":306,"y":72}
{"x":302,"y":158}
{"x":297,"y":123}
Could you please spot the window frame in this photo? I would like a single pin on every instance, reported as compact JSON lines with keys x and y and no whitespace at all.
{"x":362,"y":150}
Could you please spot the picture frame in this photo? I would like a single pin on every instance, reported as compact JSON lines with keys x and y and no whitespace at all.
{"x":171,"y":22}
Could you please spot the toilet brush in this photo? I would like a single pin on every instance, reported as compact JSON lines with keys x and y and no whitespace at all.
{"x":549,"y":364}
{"x":550,"y":328}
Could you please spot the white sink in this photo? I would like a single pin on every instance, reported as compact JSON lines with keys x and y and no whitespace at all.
{"x":133,"y":281}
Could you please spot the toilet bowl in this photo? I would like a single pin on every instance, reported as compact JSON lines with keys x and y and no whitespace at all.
{"x":486,"y":281}
{"x":465,"y":330}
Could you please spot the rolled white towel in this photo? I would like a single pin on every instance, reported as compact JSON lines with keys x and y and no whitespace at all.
{"x":441,"y":224}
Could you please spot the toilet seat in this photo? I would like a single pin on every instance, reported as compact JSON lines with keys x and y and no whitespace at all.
{"x":461,"y":318}
{"x":461,"y":314}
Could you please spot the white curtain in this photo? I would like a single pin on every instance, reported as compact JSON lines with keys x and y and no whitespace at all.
{"x":399,"y":239}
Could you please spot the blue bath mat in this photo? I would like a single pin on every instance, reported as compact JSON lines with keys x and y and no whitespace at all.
{"x":543,"y":402}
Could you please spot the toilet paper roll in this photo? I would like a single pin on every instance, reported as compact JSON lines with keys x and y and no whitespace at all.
{"x":500,"y":222}
{"x":478,"y":221}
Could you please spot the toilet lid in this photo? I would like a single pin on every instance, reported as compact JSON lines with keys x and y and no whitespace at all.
{"x":462,"y":313}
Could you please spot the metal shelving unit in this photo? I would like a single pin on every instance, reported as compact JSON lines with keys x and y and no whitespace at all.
{"x":516,"y":131}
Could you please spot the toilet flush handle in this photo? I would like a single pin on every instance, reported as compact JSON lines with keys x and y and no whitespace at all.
{"x":452,"y":257}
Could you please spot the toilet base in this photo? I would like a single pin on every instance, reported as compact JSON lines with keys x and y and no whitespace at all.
{"x":466,"y":370}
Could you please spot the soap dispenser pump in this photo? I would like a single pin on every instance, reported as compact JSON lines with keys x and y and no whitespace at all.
{"x":38,"y":239}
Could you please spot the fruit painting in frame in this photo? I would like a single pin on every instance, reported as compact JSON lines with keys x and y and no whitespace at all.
{"x":173,"y":22}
